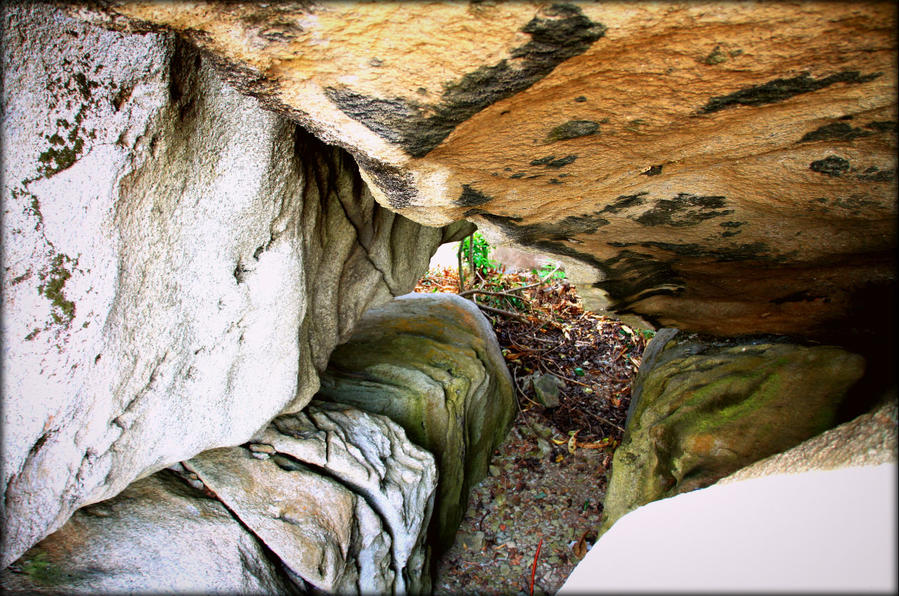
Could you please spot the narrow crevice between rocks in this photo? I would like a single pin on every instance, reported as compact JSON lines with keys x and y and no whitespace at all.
{"x":289,"y":463}
{"x":289,"y":577}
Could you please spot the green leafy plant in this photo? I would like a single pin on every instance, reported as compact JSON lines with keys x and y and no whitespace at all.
{"x":477,"y":250}
{"x":549,"y":271}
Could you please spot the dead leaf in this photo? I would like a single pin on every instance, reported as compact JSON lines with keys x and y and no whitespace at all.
{"x":580,"y":547}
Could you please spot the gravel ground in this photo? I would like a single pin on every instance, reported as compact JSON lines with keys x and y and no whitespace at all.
{"x":536,"y":490}
{"x":548,"y":479}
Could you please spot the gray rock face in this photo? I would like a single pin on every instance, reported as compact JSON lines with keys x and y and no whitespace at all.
{"x":167,"y":244}
{"x":333,"y":498}
{"x":432,"y":364}
{"x":371,"y":456}
{"x":158,"y":535}
{"x":323,"y":532}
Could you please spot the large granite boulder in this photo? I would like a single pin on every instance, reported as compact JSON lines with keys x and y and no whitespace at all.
{"x":706,"y":408}
{"x":432,"y":364}
{"x":701,"y":174}
{"x":870,"y":439}
{"x":167,"y":244}
{"x":158,"y":535}
{"x":332,"y":499}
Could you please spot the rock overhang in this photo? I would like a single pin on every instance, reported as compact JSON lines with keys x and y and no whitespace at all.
{"x":722,"y":167}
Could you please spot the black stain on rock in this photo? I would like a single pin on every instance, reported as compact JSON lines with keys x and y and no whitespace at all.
{"x":562,"y":161}
{"x":874,"y":174}
{"x":580,"y":99}
{"x":684,"y":210}
{"x":625,"y":202}
{"x":652,"y":171}
{"x":633,"y":276}
{"x":782,"y":89}
{"x":882,"y":126}
{"x":543,"y":160}
{"x":732,"y":228}
{"x":550,"y":161}
{"x":555,"y":181}
{"x":836,"y":131}
{"x":517,"y":175}
{"x":471,"y":197}
{"x":531,"y":234}
{"x":830,"y":166}
{"x":753,"y":251}
{"x":563,"y":33}
{"x":572,"y":130}
{"x":391,"y":180}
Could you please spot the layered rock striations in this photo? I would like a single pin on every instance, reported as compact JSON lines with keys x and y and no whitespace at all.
{"x":432,"y":364}
{"x":334,"y":500}
{"x":178,"y":263}
{"x":718,"y":167}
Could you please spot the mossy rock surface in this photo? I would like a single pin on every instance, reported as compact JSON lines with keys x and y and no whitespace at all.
{"x":432,"y":364}
{"x":706,"y":409}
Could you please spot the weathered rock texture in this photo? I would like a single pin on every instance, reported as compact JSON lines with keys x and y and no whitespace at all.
{"x":371,"y":456}
{"x":333,"y":498}
{"x":432,"y":364}
{"x":706,"y":409}
{"x":159,"y":535}
{"x":869,"y":440}
{"x":323,"y":532}
{"x":177,"y":263}
{"x":723,"y":167}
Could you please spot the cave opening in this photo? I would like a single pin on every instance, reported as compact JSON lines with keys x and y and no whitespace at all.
{"x":572,"y":370}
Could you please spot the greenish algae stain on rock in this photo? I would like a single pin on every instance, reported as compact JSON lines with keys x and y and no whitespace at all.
{"x":705,"y":408}
{"x":54,"y":281}
{"x":431,"y":364}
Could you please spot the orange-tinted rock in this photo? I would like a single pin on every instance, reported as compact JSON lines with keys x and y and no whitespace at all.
{"x":724,"y":167}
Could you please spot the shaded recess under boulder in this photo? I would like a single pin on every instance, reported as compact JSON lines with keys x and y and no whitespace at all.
{"x":702,"y":176}
{"x":432,"y":364}
{"x":332,"y":499}
{"x":704,"y":408}
{"x":167,"y":244}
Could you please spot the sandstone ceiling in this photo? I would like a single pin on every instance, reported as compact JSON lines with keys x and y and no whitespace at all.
{"x":722,"y":167}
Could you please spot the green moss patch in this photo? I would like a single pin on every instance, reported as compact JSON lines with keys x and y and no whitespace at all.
{"x":54,"y":281}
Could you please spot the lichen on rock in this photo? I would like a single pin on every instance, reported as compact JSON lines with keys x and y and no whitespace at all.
{"x":703,"y":409}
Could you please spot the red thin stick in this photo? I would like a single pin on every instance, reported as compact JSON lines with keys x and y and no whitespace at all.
{"x":534,"y":566}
